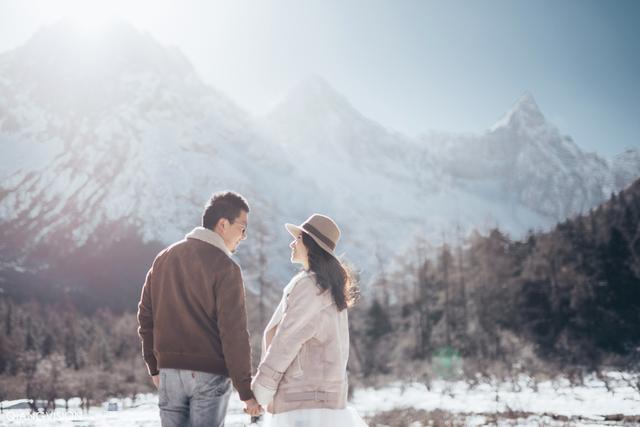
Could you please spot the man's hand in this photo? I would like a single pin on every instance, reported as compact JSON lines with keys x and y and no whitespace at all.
{"x":252,"y":408}
{"x":156,"y":380}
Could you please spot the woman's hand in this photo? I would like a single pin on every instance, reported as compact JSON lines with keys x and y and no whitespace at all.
{"x":252,"y":407}
{"x":263,"y":393}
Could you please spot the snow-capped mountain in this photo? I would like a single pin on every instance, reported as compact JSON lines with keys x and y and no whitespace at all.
{"x":371,"y":179}
{"x":520,"y":174}
{"x":107,"y":135}
{"x":525,"y":159}
{"x":316,"y":121}
{"x":118,"y":133}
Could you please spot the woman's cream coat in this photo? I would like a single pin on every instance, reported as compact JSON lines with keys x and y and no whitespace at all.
{"x":305,"y":349}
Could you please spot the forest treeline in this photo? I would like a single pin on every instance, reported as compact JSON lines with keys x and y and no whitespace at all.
{"x":569,"y":296}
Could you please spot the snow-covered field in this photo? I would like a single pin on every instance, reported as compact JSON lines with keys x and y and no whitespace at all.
{"x":554,"y":402}
{"x":556,"y":397}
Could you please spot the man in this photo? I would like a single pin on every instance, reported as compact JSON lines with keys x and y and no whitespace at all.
{"x":193,"y":322}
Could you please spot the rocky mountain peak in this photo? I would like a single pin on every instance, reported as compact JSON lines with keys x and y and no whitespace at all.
{"x":65,"y":67}
{"x":525,"y":113}
{"x":625,"y":167}
{"x":314,"y":99}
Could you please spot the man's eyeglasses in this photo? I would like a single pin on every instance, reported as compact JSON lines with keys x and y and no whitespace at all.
{"x":244,"y":227}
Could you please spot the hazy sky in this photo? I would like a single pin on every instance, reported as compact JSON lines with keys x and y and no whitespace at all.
{"x":410,"y":65}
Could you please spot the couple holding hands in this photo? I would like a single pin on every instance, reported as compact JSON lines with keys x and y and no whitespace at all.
{"x":193,"y":325}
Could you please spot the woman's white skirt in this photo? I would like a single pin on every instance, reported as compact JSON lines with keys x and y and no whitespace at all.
{"x":347,"y":417}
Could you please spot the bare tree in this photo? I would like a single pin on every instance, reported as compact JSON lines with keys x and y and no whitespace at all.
{"x":382,"y":283}
{"x":461,"y":278}
{"x":445,"y":262}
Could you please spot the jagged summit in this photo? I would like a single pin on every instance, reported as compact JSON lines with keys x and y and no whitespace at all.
{"x":314,"y":96}
{"x":625,"y":167}
{"x":317,"y":117}
{"x":117,"y":45}
{"x":145,"y":139}
{"x":65,"y":67}
{"x":525,"y":113}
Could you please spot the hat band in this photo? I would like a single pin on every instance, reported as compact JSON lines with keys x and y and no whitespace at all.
{"x":310,"y":228}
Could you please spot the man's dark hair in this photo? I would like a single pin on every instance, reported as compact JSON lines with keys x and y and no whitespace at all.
{"x":224,"y":204}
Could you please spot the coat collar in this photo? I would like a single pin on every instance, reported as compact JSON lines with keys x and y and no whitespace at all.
{"x":209,"y":236}
{"x":277,"y":315}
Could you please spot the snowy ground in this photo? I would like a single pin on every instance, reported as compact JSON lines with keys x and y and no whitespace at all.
{"x":553,"y":403}
{"x":557,"y":397}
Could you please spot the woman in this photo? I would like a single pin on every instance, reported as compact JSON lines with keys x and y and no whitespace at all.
{"x":302,"y":376}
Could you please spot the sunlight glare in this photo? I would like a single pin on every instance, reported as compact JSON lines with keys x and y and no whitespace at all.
{"x":94,"y":15}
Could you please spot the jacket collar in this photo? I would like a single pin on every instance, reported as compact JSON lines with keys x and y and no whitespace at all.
{"x":295,"y":279}
{"x":279,"y":313}
{"x":209,"y":236}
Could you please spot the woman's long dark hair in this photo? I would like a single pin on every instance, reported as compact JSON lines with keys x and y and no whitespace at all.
{"x":331,"y":274}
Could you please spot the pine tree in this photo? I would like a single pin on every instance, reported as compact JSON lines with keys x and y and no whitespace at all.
{"x":30,"y":341}
{"x":445,"y":261}
{"x":425,"y":311}
{"x":8,"y":323}
{"x":378,"y":321}
{"x":47,"y":344}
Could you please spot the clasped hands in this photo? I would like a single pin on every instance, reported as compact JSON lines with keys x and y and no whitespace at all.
{"x":252,"y":407}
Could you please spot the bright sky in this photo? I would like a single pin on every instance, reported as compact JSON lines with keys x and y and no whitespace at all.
{"x":410,"y":65}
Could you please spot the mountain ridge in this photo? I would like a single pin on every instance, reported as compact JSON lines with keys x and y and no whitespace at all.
{"x":147,"y":157}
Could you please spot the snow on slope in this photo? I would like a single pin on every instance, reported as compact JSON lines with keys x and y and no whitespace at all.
{"x":531,"y":162}
{"x":146,"y":140}
{"x":116,"y":128}
{"x":625,"y":167}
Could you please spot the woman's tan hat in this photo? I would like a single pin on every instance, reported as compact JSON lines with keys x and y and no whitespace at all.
{"x":322,"y":229}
